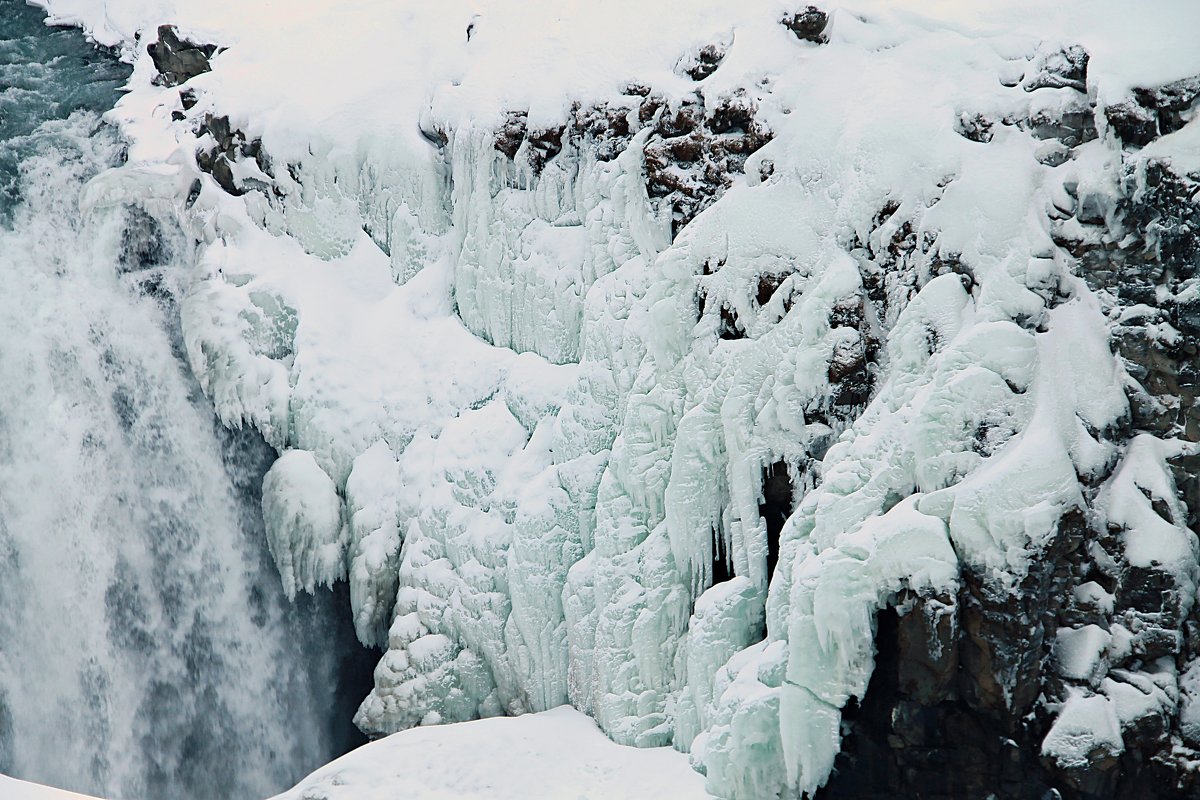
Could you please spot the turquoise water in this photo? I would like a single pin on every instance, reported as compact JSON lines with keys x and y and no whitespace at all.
{"x":45,"y":74}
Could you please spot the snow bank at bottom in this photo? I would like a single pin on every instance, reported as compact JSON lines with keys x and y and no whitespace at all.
{"x":558,"y":753}
{"x":13,"y":789}
{"x":553,"y":754}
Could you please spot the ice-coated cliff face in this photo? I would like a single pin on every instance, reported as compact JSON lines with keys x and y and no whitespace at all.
{"x":776,"y":384}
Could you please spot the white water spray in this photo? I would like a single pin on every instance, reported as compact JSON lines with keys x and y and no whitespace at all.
{"x":145,"y":649}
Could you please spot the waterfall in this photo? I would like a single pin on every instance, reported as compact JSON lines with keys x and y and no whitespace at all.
{"x":146,"y":650}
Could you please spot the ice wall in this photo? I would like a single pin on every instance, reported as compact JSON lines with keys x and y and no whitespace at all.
{"x":651,"y":387}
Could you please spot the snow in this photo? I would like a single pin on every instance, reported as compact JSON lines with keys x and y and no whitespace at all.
{"x":304,"y":524}
{"x":1085,"y":730}
{"x":1136,"y":696}
{"x":13,"y":789}
{"x":1181,"y":149}
{"x":1078,"y":651}
{"x":1092,"y":594}
{"x":1189,"y":718}
{"x":504,"y":416}
{"x":556,"y":753}
{"x":1128,"y":497}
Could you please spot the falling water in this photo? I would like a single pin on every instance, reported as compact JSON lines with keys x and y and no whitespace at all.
{"x":145,"y":648}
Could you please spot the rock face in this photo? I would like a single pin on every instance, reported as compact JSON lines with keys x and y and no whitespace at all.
{"x":1154,"y":112}
{"x":972,"y":706}
{"x":222,"y":146}
{"x":692,"y":153}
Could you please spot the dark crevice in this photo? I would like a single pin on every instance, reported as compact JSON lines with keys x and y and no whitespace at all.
{"x":722,"y":561}
{"x":777,"y":504}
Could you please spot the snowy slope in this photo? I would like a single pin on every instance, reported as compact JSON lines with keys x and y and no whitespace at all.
{"x":492,"y":760}
{"x":612,"y":377}
{"x":558,"y":753}
{"x":13,"y":789}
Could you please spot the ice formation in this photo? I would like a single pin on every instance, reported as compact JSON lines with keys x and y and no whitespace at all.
{"x":661,"y":361}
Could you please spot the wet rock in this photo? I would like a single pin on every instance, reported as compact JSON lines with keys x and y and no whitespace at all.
{"x":193,"y":193}
{"x":228,"y":146}
{"x":975,"y":127}
{"x":779,"y":500}
{"x":433,"y":134}
{"x":695,"y":149}
{"x":913,"y":735}
{"x":542,"y":146}
{"x":692,"y":153}
{"x":535,"y":147}
{"x":957,"y":707}
{"x":605,"y":129}
{"x":927,"y":646}
{"x":222,"y":172}
{"x":730,"y":327}
{"x":1171,"y":103}
{"x":178,"y":60}
{"x":141,"y":241}
{"x":1097,"y":776}
{"x":1154,"y":112}
{"x":808,"y":25}
{"x":1072,"y":128}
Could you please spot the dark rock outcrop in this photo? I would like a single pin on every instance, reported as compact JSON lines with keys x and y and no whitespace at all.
{"x":703,"y":63}
{"x":176,"y":59}
{"x":959,"y":702}
{"x":695,"y":150}
{"x":691,"y":155}
{"x":226,"y":146}
{"x":1154,"y":112}
{"x":808,"y":24}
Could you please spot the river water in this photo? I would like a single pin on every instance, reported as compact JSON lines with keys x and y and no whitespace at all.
{"x":146,"y":650}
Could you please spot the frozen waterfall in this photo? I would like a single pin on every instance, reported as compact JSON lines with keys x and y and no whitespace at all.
{"x":810,"y":390}
{"x":146,"y":650}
